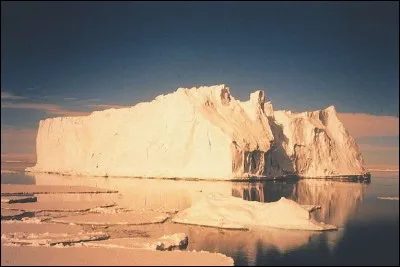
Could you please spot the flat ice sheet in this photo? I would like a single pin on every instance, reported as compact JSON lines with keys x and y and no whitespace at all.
{"x":8,"y":189}
{"x":221,"y":211}
{"x":39,"y":228}
{"x":49,"y":239}
{"x":70,"y":206}
{"x":166,"y":242}
{"x":126,"y":218}
{"x":51,"y":256}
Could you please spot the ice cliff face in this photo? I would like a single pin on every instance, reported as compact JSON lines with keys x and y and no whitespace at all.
{"x":318,"y":144}
{"x":198,"y":133}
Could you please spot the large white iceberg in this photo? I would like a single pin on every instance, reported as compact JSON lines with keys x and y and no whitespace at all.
{"x":199,"y":133}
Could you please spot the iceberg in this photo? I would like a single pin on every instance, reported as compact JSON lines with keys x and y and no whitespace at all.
{"x":200,"y":133}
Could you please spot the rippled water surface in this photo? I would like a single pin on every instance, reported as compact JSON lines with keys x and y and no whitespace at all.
{"x":368,"y":226}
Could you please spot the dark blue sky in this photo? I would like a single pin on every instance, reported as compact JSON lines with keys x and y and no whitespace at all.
{"x":304,"y":55}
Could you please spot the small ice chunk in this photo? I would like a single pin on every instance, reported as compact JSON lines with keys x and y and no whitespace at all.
{"x":169,"y":242}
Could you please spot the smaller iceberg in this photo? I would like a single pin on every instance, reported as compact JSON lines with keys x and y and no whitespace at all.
{"x":229,"y":212}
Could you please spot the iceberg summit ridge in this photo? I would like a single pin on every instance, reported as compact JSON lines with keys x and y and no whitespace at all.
{"x":202,"y":132}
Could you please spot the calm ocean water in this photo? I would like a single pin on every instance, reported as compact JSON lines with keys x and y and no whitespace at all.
{"x":368,"y":226}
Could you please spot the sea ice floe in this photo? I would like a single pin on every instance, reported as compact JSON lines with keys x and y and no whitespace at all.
{"x":62,"y":206}
{"x":12,"y":190}
{"x":166,"y":242}
{"x":126,"y":218}
{"x":221,"y":211}
{"x":50,"y":239}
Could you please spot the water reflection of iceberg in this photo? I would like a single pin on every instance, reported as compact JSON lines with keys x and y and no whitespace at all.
{"x":247,"y":244}
{"x":338,"y":200}
{"x":268,"y":191}
{"x":137,"y":194}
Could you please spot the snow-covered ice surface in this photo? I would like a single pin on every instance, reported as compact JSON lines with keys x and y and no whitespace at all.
{"x":233,"y":213}
{"x":200,"y":133}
